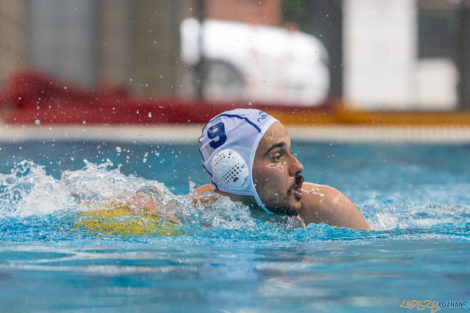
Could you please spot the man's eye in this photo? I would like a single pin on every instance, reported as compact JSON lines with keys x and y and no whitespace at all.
{"x":276,"y":157}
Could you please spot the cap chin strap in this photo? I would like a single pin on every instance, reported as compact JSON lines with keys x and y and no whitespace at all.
{"x":258,"y":201}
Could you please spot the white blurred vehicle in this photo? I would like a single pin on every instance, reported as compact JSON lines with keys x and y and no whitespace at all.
{"x":257,"y":63}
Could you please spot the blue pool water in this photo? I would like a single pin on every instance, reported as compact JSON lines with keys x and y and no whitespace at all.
{"x":416,"y":198}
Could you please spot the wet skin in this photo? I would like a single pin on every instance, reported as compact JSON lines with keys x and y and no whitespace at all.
{"x":276,"y":172}
{"x":278,"y":181}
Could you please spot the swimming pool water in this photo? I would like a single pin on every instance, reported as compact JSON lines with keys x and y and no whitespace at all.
{"x":416,"y":199}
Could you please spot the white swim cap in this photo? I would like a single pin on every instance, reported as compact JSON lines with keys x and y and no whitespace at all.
{"x":228,"y":147}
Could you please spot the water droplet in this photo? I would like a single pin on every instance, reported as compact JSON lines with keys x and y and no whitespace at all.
{"x":118,"y":149}
{"x":83,"y":122}
{"x":37,"y":122}
{"x":150,"y":114}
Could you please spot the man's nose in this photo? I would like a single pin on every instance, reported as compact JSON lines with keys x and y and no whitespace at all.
{"x":295,"y":166}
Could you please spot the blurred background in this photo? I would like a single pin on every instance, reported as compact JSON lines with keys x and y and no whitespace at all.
{"x":362,"y":55}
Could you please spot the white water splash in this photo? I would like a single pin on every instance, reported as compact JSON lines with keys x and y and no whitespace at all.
{"x":97,"y":182}
{"x":223,"y":212}
{"x":417,"y":216}
{"x":28,"y":190}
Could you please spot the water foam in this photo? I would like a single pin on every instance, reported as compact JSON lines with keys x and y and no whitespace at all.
{"x":28,"y":190}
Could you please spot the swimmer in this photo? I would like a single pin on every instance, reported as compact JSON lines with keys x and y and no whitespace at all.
{"x":247,"y":155}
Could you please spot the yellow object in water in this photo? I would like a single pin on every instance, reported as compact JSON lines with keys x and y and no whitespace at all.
{"x":118,"y":219}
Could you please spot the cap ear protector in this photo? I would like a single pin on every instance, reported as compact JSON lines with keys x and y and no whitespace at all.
{"x":231,"y":170}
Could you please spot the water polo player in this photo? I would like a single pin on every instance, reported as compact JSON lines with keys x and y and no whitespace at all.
{"x":247,"y":155}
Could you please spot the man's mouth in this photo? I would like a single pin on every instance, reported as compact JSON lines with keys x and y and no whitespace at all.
{"x":297,"y":187}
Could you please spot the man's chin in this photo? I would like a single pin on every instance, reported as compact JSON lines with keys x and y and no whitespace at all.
{"x":285,"y":210}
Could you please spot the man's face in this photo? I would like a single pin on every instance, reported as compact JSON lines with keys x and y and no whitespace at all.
{"x":276,"y":172}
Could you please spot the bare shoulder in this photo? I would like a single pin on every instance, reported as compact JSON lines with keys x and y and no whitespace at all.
{"x":321,"y":195}
{"x":325,"y":204}
{"x":208,"y":193}
{"x":205,"y":195}
{"x":205,"y":188}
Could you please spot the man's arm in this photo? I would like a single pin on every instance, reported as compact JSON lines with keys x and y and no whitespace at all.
{"x":324,"y":204}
